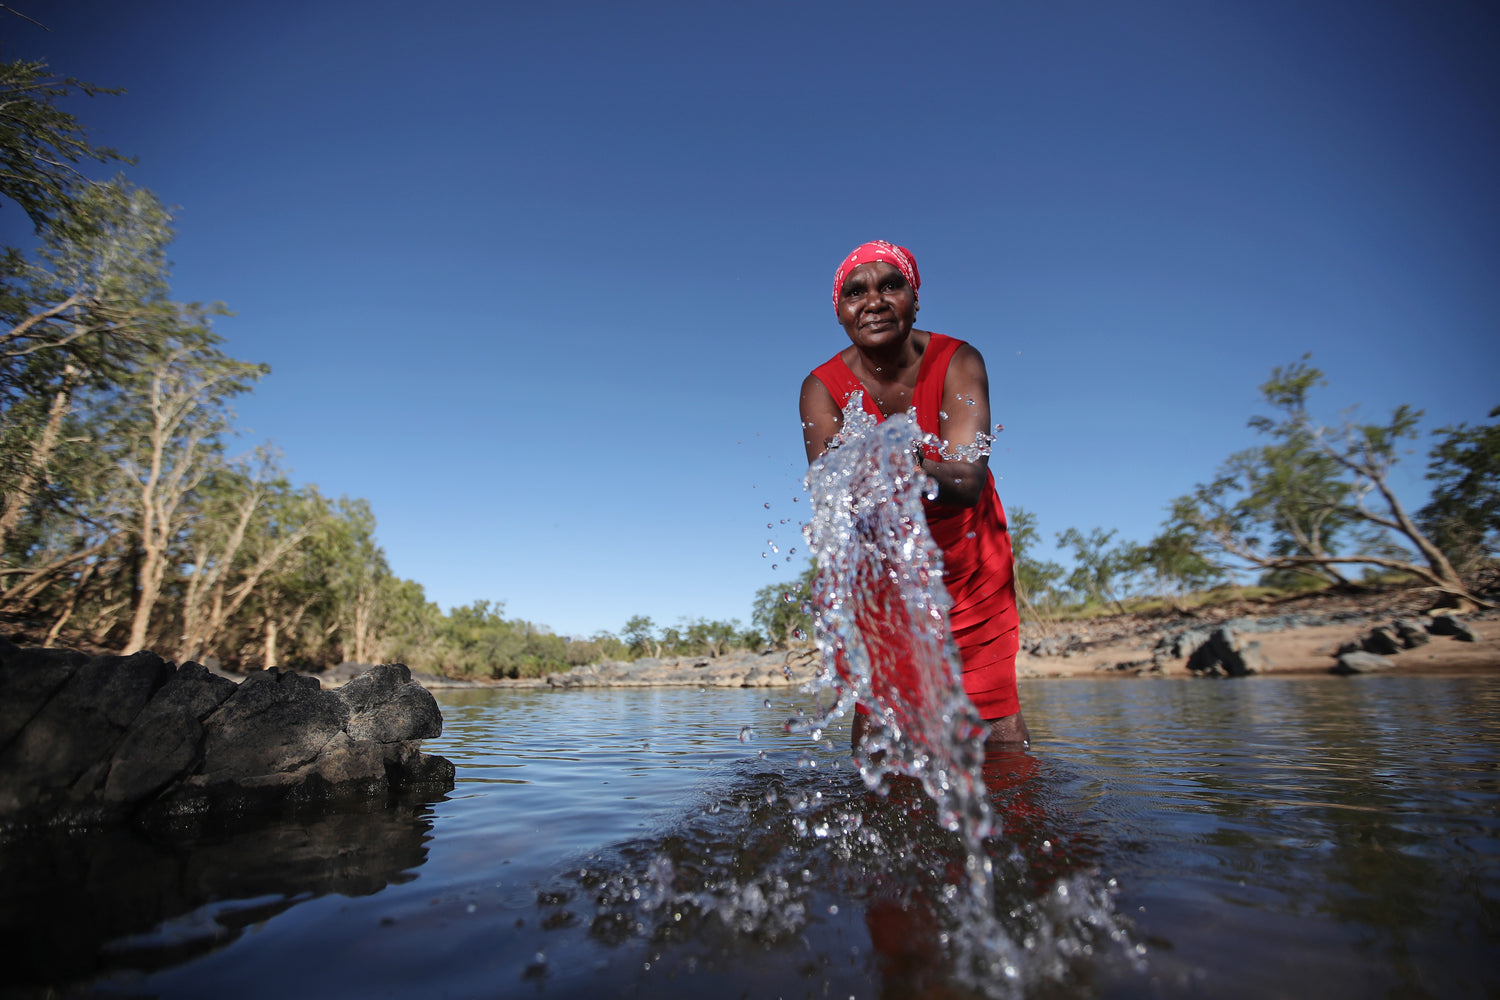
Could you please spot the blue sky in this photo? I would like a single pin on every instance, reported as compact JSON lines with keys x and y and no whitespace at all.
{"x":541,"y":281}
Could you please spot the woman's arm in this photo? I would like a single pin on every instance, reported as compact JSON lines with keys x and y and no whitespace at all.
{"x":821,"y":417}
{"x":965,"y":414}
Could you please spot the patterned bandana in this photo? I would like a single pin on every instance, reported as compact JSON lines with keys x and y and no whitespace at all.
{"x":898,"y":257}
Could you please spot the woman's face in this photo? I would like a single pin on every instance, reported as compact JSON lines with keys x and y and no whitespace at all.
{"x":877,"y":306}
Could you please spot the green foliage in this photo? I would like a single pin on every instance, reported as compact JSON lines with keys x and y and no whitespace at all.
{"x":40,"y":143}
{"x":1037,"y":580}
{"x":478,"y":641}
{"x":1175,"y":563}
{"x":639,"y":636}
{"x":783,"y":613}
{"x":1463,"y":515}
{"x":1314,"y":499}
{"x":1098,"y":569}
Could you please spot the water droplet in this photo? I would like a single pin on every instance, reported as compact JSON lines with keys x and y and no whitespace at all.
{"x":767,"y":505}
{"x":788,"y":596}
{"x":943,"y":414}
{"x":746,"y":734}
{"x":799,"y":635}
{"x":768,"y":703}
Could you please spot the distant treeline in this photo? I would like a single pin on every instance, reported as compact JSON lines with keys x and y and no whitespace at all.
{"x":127,"y":523}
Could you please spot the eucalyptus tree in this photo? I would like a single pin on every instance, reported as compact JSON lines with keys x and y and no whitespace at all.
{"x":1099,"y":569}
{"x":167,"y":430}
{"x":1315,"y":498}
{"x":1036,"y":579}
{"x":247,"y":542}
{"x":78,"y":318}
{"x":1463,"y":514}
{"x":41,"y":144}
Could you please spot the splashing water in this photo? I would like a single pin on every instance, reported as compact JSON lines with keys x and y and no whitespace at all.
{"x":881,"y":617}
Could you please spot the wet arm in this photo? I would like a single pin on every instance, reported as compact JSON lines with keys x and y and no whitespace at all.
{"x":821,"y":417}
{"x":966,"y":403}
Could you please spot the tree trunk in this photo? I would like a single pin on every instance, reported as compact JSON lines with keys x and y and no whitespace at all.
{"x":270,"y":656}
{"x":35,"y":467}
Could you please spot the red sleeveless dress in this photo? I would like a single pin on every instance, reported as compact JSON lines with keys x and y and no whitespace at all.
{"x":977,"y":563}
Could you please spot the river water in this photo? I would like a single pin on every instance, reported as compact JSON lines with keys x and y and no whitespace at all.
{"x":1301,"y":837}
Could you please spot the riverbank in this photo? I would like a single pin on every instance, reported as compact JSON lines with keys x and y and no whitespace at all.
{"x":1302,"y":635}
{"x":1293,"y":638}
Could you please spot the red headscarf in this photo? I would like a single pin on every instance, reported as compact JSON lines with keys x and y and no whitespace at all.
{"x":898,"y":257}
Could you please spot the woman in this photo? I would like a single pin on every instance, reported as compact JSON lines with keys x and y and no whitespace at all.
{"x":898,"y":367}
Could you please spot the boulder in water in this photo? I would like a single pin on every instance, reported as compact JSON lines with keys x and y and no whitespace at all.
{"x":114,"y":738}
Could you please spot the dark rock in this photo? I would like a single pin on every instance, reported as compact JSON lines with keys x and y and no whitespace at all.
{"x":111,"y":738}
{"x":1183,"y":644}
{"x":1361,"y":662}
{"x":1381,"y":640}
{"x":387,"y":706}
{"x":1224,"y":654}
{"x":274,"y":722}
{"x":63,"y":752}
{"x":1411,"y":633}
{"x":1449,"y":625}
{"x":166,"y":739}
{"x":28,"y":677}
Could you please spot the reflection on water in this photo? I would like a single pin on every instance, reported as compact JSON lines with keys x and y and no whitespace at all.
{"x":1297,"y":837}
{"x":85,"y":903}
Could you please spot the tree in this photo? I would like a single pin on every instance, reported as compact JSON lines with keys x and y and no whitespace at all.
{"x":782,"y":613}
{"x":1176,"y":563}
{"x":247,"y":543}
{"x":40,"y":143}
{"x":85,"y":315}
{"x":712,"y":637}
{"x":639,"y":634}
{"x":1036,"y":579}
{"x":1315,"y":498}
{"x":1098,"y":569}
{"x":1463,"y":515}
{"x":169,"y":441}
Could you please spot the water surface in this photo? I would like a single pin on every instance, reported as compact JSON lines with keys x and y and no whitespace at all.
{"x":1298,"y":837}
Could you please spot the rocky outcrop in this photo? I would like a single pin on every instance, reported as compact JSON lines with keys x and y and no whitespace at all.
{"x":1372,"y":652}
{"x":1450,"y":625}
{"x":1220,"y":652}
{"x":97,"y":740}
